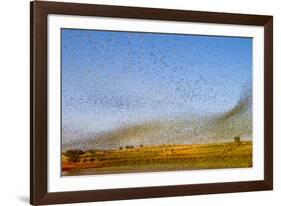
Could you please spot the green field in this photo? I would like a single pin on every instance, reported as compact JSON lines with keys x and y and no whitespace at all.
{"x":158,"y":158}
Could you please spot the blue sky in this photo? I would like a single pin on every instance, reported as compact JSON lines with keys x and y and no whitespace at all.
{"x":111,"y":79}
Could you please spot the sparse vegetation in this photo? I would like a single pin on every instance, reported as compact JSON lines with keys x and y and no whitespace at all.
{"x":162,"y":157}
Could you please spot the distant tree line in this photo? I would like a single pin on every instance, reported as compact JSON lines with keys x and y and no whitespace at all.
{"x":74,"y":155}
{"x":129,"y":147}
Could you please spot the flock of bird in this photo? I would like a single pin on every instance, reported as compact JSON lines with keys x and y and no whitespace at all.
{"x":142,"y":70}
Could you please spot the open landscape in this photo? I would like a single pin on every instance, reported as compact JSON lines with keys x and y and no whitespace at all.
{"x":144,"y":101}
{"x":158,"y":158}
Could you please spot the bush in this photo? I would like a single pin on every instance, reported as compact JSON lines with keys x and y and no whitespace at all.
{"x":129,"y":147}
{"x":93,"y":151}
{"x":73,"y":155}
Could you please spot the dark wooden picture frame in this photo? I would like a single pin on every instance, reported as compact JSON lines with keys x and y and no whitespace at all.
{"x":38,"y":102}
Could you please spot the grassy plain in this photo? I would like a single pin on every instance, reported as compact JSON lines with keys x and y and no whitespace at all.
{"x":160,"y":158}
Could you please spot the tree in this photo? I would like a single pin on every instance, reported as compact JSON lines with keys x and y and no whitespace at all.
{"x":73,"y":155}
{"x":237,"y":140}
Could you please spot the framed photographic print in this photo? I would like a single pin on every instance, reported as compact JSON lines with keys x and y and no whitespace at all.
{"x":131,"y":102}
